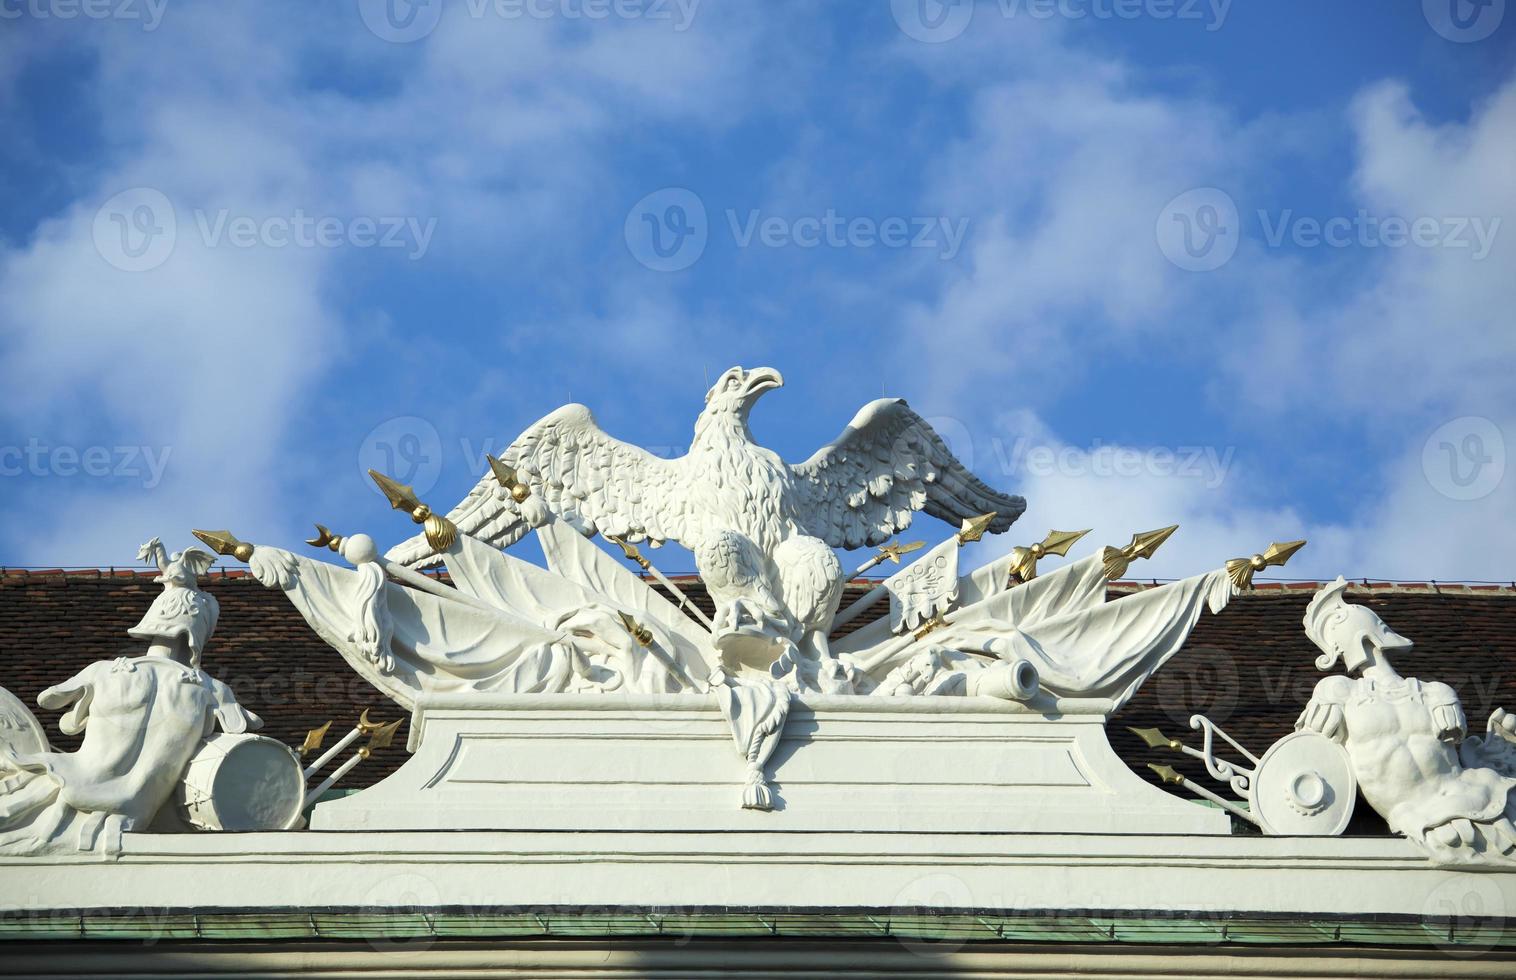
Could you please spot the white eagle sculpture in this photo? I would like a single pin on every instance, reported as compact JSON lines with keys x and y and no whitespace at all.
{"x":761,"y":530}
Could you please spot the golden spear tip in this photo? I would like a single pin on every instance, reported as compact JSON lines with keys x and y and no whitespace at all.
{"x":640,"y":633}
{"x":225,"y":543}
{"x":1242,"y":570}
{"x":384,"y":735}
{"x":508,"y":478}
{"x":400,"y":496}
{"x":313,"y":739}
{"x":1154,"y":738}
{"x":974,"y":527}
{"x":1167,"y":774}
{"x":894,"y":552}
{"x":1143,"y":545}
{"x":1059,"y":542}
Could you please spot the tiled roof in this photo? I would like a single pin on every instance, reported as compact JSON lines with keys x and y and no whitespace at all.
{"x":1250,"y":669}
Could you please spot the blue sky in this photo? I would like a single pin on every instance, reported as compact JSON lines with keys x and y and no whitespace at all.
{"x":248,"y":249}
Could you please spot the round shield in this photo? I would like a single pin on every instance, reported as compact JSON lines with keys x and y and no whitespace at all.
{"x":1304,"y":786}
{"x":20,"y":731}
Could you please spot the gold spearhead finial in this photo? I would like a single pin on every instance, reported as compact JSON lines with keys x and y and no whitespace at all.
{"x":1143,"y":545}
{"x":974,"y":527}
{"x":400,"y":495}
{"x":325,"y":539}
{"x":1155,"y":739}
{"x":225,"y":543}
{"x":631,"y":551}
{"x":894,"y":552}
{"x":313,"y":739}
{"x":381,"y":738}
{"x":440,"y":532}
{"x":1024,"y":559}
{"x":1241,"y":570}
{"x":509,"y":479}
{"x":640,"y":633}
{"x":1167,"y":774}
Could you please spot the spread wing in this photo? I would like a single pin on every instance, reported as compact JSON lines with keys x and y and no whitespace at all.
{"x":868,"y":483}
{"x":197,"y":561}
{"x":590,"y":479}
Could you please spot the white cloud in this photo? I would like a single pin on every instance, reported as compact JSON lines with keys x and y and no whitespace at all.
{"x":491,"y":127}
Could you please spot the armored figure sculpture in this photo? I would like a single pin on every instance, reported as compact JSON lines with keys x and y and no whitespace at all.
{"x":1405,"y":738}
{"x":143,"y":719}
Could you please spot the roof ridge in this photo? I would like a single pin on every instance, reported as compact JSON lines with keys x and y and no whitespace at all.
{"x":1359,"y":586}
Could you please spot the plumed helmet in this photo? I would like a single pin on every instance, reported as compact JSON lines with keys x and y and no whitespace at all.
{"x":1346,"y":631}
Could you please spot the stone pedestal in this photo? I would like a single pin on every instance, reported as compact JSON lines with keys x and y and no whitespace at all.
{"x":668,"y":763}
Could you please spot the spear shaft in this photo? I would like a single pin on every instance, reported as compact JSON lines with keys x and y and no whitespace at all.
{"x":634,"y":554}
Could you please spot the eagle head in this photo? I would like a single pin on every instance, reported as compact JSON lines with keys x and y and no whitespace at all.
{"x":736,"y":391}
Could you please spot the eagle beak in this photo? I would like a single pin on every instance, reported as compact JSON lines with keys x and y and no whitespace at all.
{"x":760,"y":380}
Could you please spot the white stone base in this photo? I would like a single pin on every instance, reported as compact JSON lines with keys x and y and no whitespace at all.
{"x":668,"y":763}
{"x":1209,"y":875}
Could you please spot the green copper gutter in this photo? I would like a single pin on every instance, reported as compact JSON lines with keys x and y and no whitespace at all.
{"x":399,"y":927}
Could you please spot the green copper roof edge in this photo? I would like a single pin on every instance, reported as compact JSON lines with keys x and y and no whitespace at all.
{"x":402,"y":926}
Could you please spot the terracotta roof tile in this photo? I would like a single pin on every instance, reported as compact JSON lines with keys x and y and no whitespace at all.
{"x":1250,"y":669}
